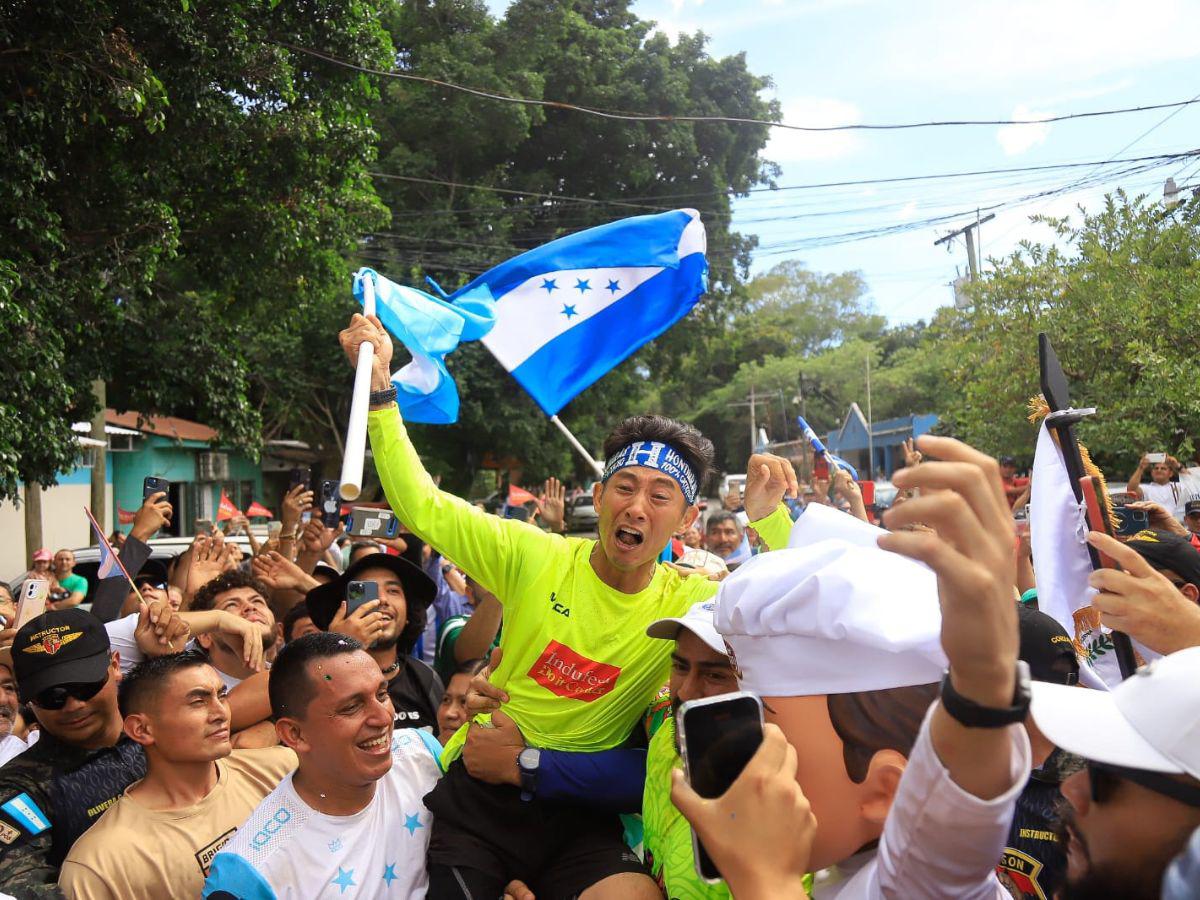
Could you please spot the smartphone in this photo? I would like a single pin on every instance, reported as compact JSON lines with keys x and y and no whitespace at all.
{"x":360,"y":592}
{"x":821,"y":467}
{"x":520,"y":513}
{"x":330,"y":504}
{"x":717,"y":737}
{"x":868,"y":492}
{"x":274,"y":528}
{"x":1131,"y":521}
{"x":32,"y":604}
{"x":1153,"y":458}
{"x":366,"y":522}
{"x":202,"y":526}
{"x":152,"y":485}
{"x":302,"y":475}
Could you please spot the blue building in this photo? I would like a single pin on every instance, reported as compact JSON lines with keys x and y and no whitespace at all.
{"x":887,"y":437}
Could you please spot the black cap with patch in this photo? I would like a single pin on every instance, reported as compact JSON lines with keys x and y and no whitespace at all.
{"x":1046,"y":647}
{"x":1164,"y":550}
{"x":64,"y":646}
{"x":1191,"y":507}
{"x":323,"y":600}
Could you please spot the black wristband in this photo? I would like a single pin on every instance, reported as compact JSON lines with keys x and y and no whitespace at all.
{"x":973,"y":715}
{"x":382,"y":398}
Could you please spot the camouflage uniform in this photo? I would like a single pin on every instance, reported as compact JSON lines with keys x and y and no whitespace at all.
{"x":49,"y":796}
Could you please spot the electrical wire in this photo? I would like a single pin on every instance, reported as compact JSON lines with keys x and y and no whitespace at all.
{"x":627,"y":116}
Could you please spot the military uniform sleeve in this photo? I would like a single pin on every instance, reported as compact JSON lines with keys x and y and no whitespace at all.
{"x":774,"y":528}
{"x":489,"y":549}
{"x":25,"y":836}
{"x":80,"y":882}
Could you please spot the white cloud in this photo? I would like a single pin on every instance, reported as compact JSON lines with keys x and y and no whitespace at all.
{"x":800,"y":146}
{"x":1016,"y":139}
{"x":973,"y":47}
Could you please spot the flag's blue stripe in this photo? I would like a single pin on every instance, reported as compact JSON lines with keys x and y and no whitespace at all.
{"x":638,"y":241}
{"x":575,"y":359}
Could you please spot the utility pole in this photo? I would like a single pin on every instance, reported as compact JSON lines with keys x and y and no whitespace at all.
{"x":751,"y":402}
{"x":870,"y":427}
{"x":970,"y":232}
{"x":99,"y":464}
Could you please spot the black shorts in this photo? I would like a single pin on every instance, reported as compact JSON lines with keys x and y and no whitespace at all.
{"x":485,"y":835}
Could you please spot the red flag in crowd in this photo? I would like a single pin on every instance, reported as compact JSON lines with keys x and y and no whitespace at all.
{"x":256,"y":509}
{"x":226,"y":509}
{"x":124,"y":516}
{"x":519,"y":496}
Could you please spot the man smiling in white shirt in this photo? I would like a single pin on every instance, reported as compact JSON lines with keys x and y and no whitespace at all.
{"x":350,"y":821}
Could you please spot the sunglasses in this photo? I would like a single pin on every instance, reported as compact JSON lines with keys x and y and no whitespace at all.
{"x":57,"y":696}
{"x":1104,"y":779}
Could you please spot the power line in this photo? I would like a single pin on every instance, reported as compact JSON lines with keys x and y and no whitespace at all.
{"x":627,"y":116}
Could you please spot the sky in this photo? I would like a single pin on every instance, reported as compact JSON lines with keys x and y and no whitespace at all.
{"x":835,"y":62}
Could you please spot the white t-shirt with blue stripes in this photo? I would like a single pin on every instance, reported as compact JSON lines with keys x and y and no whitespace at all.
{"x":286,"y":849}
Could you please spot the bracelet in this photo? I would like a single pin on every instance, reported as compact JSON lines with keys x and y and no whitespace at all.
{"x":382,"y":398}
{"x":290,"y":536}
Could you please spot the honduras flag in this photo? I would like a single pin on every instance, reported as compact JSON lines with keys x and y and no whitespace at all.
{"x":569,"y":311}
{"x":819,"y":447}
{"x":430,"y":328}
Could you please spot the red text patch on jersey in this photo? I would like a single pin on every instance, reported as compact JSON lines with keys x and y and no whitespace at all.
{"x":568,"y":674}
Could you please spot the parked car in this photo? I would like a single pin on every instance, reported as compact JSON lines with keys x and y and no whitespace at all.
{"x":581,"y":514}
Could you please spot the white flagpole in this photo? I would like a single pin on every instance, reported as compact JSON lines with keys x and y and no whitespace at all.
{"x":578,"y":446}
{"x":356,"y":431}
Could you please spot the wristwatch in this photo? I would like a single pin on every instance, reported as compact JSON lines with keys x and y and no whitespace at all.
{"x":973,"y":715}
{"x":527,"y":765}
{"x":381,"y":398}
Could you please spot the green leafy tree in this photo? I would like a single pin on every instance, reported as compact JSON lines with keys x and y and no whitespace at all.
{"x":1117,"y":293}
{"x":180,"y":190}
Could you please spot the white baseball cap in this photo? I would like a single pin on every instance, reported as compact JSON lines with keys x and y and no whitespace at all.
{"x":698,"y":620}
{"x":1149,"y":721}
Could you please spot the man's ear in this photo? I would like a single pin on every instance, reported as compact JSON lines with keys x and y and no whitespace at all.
{"x":291,"y":734}
{"x":597,"y":493}
{"x":878,"y":789}
{"x":139,"y":729}
{"x":114,"y":666}
{"x":689,"y":518}
{"x":205,"y":641}
{"x":1190,"y":591}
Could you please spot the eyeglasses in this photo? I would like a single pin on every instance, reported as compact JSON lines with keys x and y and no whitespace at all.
{"x":1104,"y":778}
{"x":57,"y":696}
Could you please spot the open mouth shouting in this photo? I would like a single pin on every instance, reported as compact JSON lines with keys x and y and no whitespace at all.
{"x":628,"y":538}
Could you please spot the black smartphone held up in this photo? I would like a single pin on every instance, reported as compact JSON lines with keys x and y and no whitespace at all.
{"x":330,"y":504}
{"x":152,"y":485}
{"x":718,"y":736}
{"x":300,"y":476}
{"x":1131,"y":521}
{"x":360,"y":592}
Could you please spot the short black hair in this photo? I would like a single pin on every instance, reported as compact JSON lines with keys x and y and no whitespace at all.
{"x":870,"y":721}
{"x":288,"y":685}
{"x":722,"y":516}
{"x":684,"y":439}
{"x":294,"y":615}
{"x":206,"y":597}
{"x":144,"y":683}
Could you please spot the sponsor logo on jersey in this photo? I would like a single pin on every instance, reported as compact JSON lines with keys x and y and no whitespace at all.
{"x":1023,"y":869}
{"x":569,"y":674}
{"x":204,"y":856}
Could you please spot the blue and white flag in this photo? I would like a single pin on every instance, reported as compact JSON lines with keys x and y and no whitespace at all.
{"x":819,"y":446}
{"x":430,"y":328}
{"x":569,"y":311}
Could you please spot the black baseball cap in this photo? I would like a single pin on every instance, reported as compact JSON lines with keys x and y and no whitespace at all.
{"x":1164,"y":550}
{"x":153,"y":572}
{"x":1192,"y":506}
{"x":323,"y":600}
{"x":1046,"y":647}
{"x":63,"y":646}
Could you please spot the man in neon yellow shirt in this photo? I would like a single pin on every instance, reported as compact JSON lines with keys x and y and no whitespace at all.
{"x":577,"y":667}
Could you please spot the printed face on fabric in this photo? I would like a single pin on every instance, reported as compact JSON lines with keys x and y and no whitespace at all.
{"x":346,"y":732}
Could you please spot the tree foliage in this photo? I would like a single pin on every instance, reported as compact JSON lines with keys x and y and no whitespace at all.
{"x":1117,"y":293}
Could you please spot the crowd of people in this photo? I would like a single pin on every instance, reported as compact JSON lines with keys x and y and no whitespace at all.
{"x":499,"y":717}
